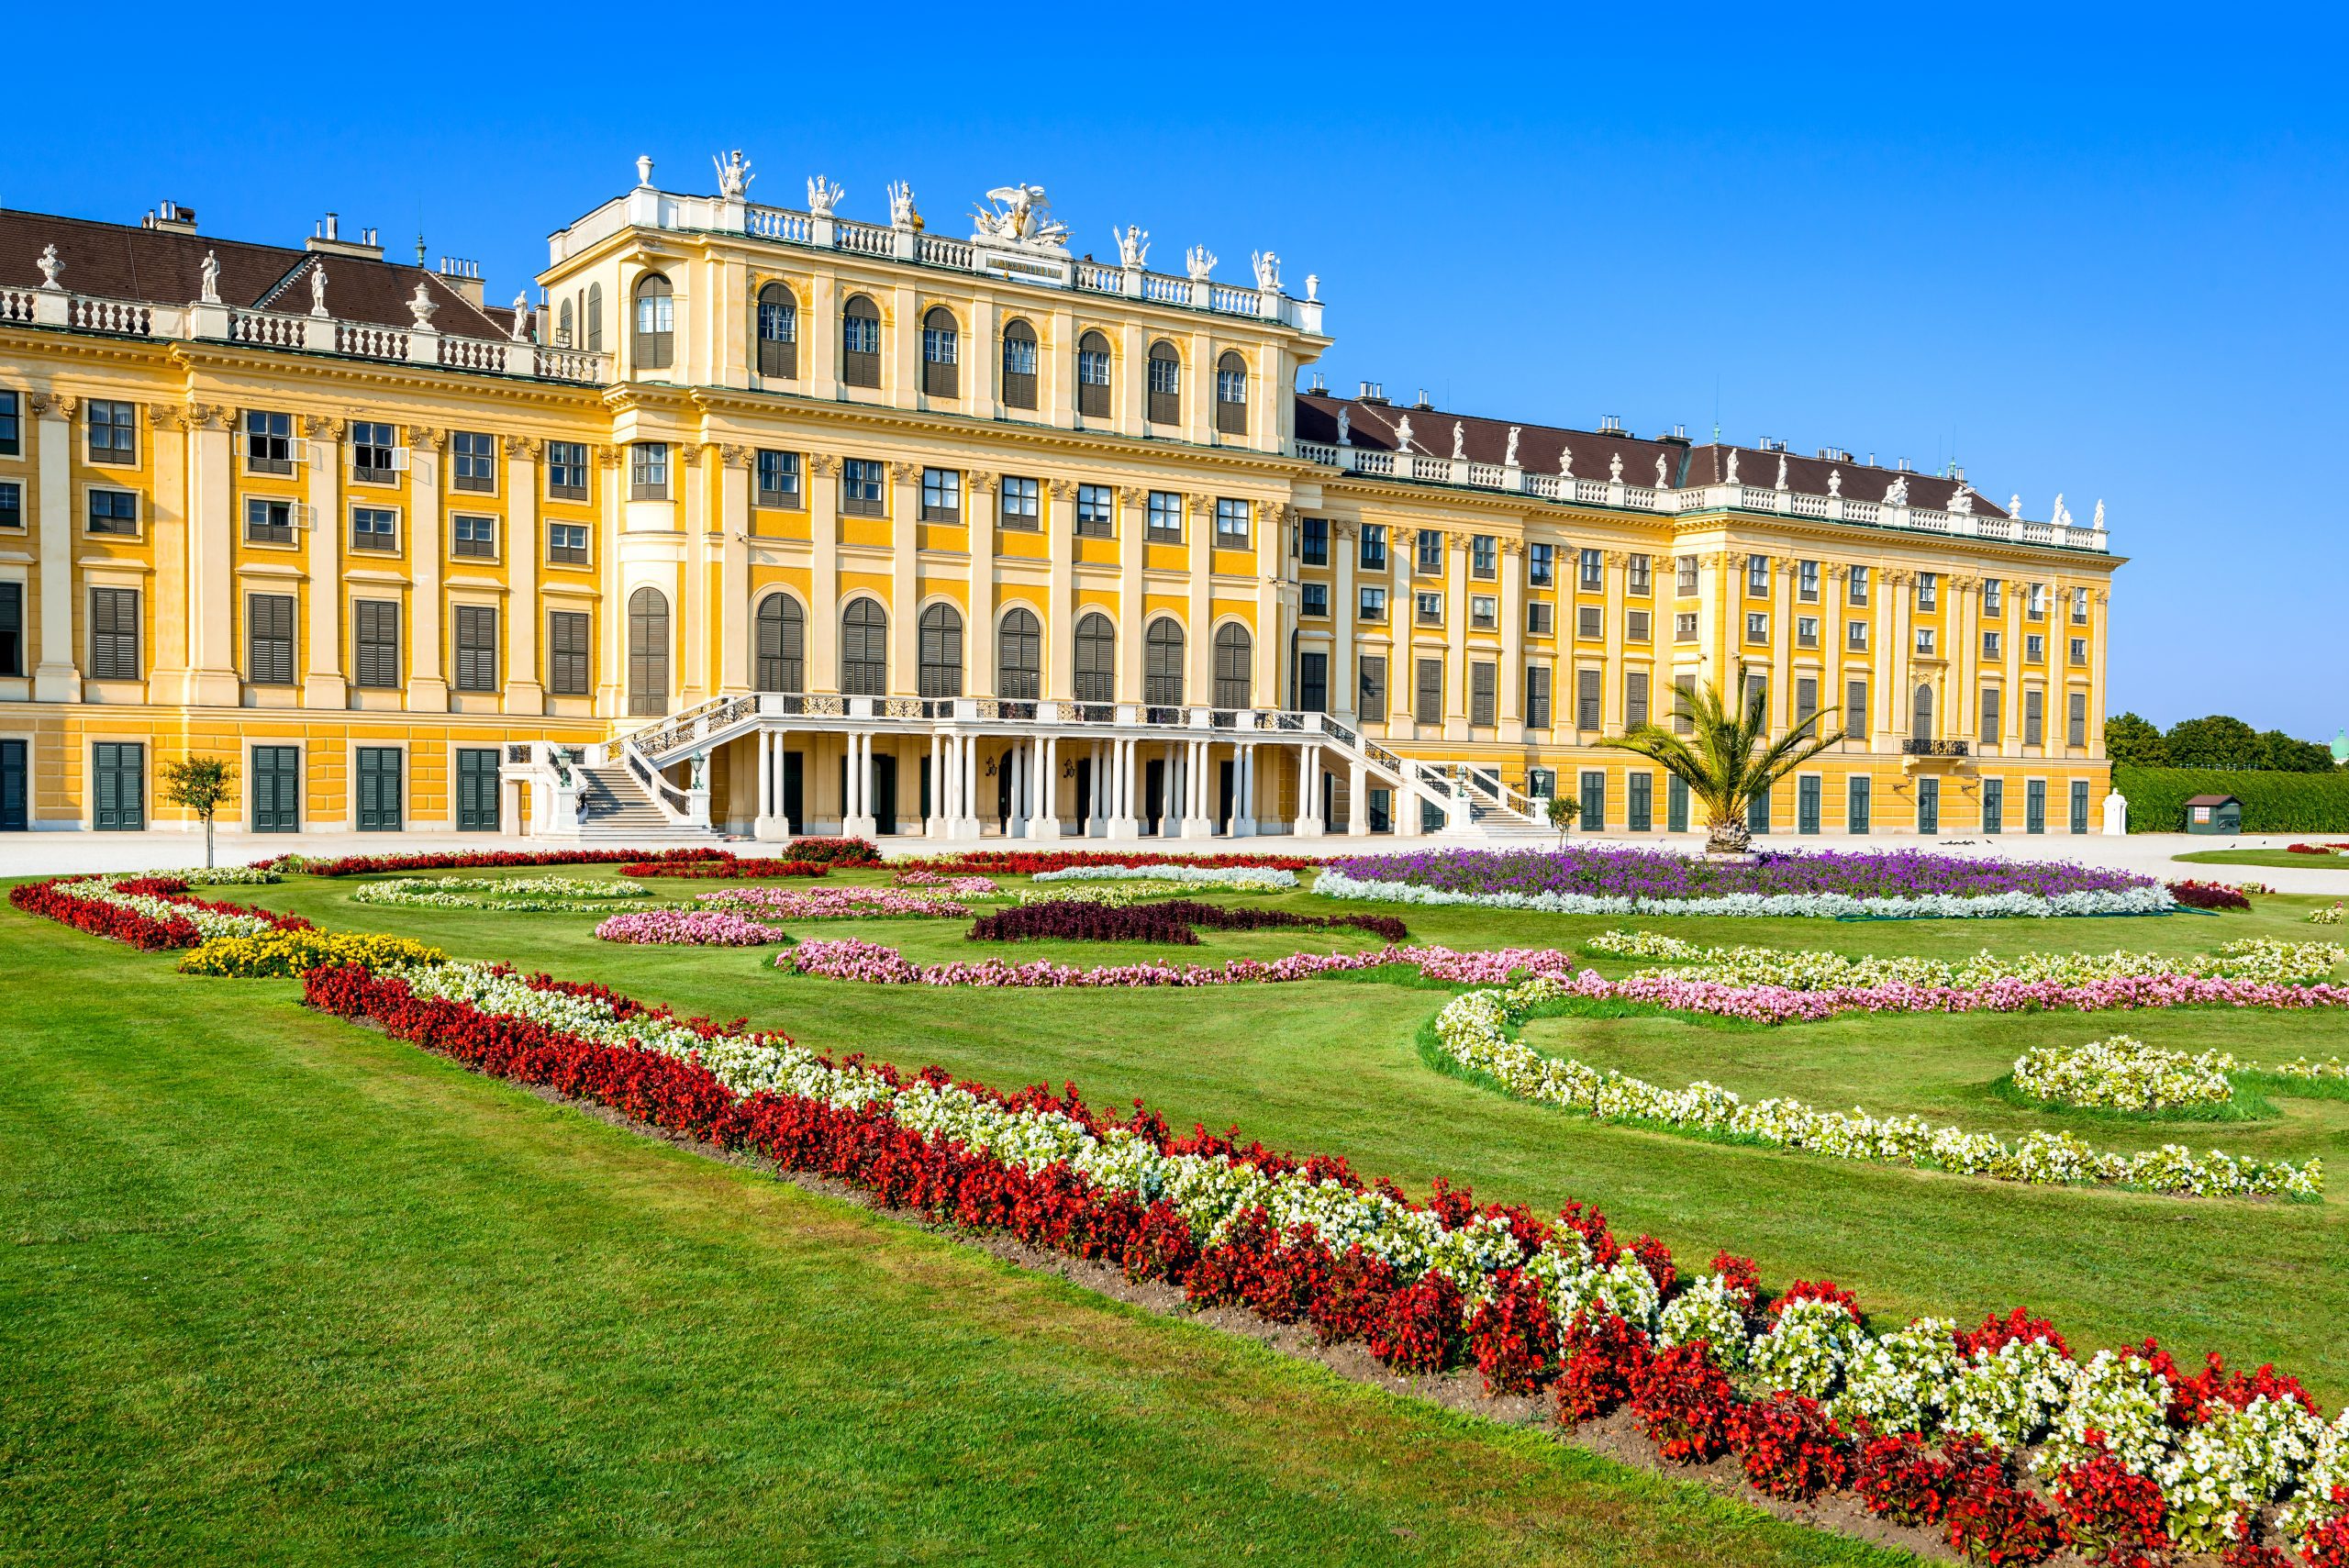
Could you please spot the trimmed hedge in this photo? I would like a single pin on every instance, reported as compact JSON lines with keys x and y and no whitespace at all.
{"x":2272,"y":802}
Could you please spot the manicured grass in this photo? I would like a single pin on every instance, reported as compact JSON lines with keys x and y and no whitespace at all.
{"x":278,"y":1289}
{"x":1334,"y":1066}
{"x":2339,"y":862}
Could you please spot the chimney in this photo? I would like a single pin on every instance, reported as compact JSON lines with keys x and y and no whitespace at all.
{"x":327,"y":240}
{"x":464,"y":276}
{"x":1372,"y":392}
{"x":170,"y":217}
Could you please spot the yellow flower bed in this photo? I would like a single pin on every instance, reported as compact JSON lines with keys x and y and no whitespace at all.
{"x":279,"y":955}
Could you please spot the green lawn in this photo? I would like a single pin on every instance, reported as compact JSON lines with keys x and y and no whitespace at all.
{"x":2273,"y":858}
{"x":280,"y":1290}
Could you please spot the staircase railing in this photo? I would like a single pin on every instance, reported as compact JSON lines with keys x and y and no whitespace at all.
{"x":683,"y":808}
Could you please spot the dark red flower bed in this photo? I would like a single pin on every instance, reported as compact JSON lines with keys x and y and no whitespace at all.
{"x":830,"y":852}
{"x":1175,"y":921}
{"x":1027,"y":863}
{"x":725,"y":871}
{"x":2208,"y":895}
{"x":471,"y":859}
{"x":125,"y":925}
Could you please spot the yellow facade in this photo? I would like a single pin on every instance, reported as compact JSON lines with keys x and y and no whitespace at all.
{"x":679,"y":433}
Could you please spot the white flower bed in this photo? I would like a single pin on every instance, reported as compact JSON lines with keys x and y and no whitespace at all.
{"x":1114,"y":894}
{"x":2261,"y":959}
{"x":526,"y":895}
{"x":1236,"y":879}
{"x":2308,"y":1067}
{"x":1475,"y":1028}
{"x":1814,"y":905}
{"x":221,"y":876}
{"x":208,"y":923}
{"x":2124,"y":1073}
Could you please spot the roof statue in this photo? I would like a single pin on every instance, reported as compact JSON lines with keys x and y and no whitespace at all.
{"x":1345,"y":428}
{"x":1897,"y":493}
{"x":50,"y":266}
{"x":2014,"y":505}
{"x":1565,"y":462}
{"x":2099,"y":523}
{"x":1662,"y":468}
{"x":1731,"y":477}
{"x":522,"y":316}
{"x":1782,"y":471}
{"x":1615,"y":468}
{"x":420,"y":306}
{"x":211,"y":276}
{"x":901,"y":207}
{"x":1198,"y":261}
{"x":1961,"y":502}
{"x":318,"y":288}
{"x":1509,"y":459}
{"x":1267,"y":264}
{"x":645,"y":171}
{"x":1134,"y":245}
{"x":2060,"y":514}
{"x":1835,"y":481}
{"x":1021,"y":216}
{"x":1459,"y":440}
{"x":1403,"y":434}
{"x":1313,"y":287}
{"x":734,"y":176}
{"x":822,"y":197}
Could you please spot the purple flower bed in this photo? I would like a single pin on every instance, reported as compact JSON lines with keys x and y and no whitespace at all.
{"x":1173,"y":922}
{"x":1659,"y":873}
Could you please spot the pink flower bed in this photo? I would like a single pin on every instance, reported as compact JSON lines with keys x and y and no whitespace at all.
{"x":850,"y":959}
{"x":829,"y":903}
{"x":688,"y":927}
{"x":953,"y":886}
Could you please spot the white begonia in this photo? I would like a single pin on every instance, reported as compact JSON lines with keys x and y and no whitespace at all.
{"x":2328,"y":1467}
{"x":1705,"y":1309}
{"x":1805,"y":1350}
{"x":2125,"y":1073}
{"x":209,"y":924}
{"x":1901,"y":1381}
{"x":2008,"y":1396}
{"x":1237,"y":879}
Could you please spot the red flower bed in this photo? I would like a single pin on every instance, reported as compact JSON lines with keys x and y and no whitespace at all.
{"x":832,"y":852}
{"x":2208,"y":895}
{"x":729,"y":870}
{"x":1027,"y":863}
{"x":122,"y":924}
{"x":1173,"y":921}
{"x":471,"y":859}
{"x":1791,"y":1448}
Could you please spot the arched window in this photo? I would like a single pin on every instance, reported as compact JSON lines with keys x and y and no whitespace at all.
{"x":778,"y":331}
{"x":1093,"y":376}
{"x":1162,"y":663}
{"x":595,"y":318}
{"x":563,"y":337}
{"x":1018,"y":365}
{"x":656,"y":323}
{"x":942,"y":652}
{"x":648,"y":653}
{"x":1234,"y":679}
{"x":865,"y":649}
{"x":1020,"y":657}
{"x":1922,"y":714}
{"x":1232,"y":396}
{"x":941,"y":344}
{"x":783,"y":645}
{"x":1096,"y":660}
{"x":861,"y":342}
{"x":1165,"y":385}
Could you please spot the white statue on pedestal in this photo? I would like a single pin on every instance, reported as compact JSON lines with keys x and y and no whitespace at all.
{"x":1509,"y":459}
{"x":1403,"y":434}
{"x":1730,"y":478}
{"x":1897,"y":493}
{"x":1961,"y":502}
{"x":522,"y":316}
{"x":211,"y":276}
{"x":50,"y":265}
{"x":734,"y":176}
{"x":420,"y":306}
{"x":1133,"y":246}
{"x":901,"y":206}
{"x":1198,"y":262}
{"x":319,"y":289}
{"x":1782,"y":471}
{"x":1268,"y":270}
{"x":2060,"y":516}
{"x":1345,"y":428}
{"x":822,"y":197}
{"x":1021,"y":216}
{"x":1661,"y":469}
{"x":2099,"y":523}
{"x":1459,"y":440}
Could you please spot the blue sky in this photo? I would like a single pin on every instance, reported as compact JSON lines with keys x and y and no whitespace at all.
{"x":2098,"y":254}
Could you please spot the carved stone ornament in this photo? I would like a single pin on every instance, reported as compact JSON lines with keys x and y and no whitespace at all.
{"x":733,"y":456}
{"x":1278,"y":513}
{"x":423,"y":438}
{"x":978,"y":482}
{"x":1344,"y":529}
{"x":164,"y":416}
{"x":607,"y":457}
{"x":1837,"y":571}
{"x":1134,"y":495}
{"x":823,"y":465}
{"x":321,"y":427}
{"x":1615,"y":559}
{"x":1203,"y":506}
{"x":1511,"y":545}
{"x":1064,"y":489}
{"x":904,"y":472}
{"x":524,"y":448}
{"x":210,"y":416}
{"x":54,"y":405}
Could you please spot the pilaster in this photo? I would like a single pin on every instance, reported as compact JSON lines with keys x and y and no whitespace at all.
{"x":824,"y":586}
{"x":732,"y":624}
{"x":211,"y":611}
{"x":323,"y":682}
{"x":58,"y":675}
{"x":693,"y":599}
{"x":525,"y":693}
{"x":1510,"y":678}
{"x":428,"y":687}
{"x":979,"y":674}
{"x":1133,"y":520}
{"x":905,"y":588}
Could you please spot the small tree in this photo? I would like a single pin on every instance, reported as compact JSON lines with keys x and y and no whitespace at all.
{"x":202,"y":784}
{"x":1561,"y":812}
{"x":1727,"y":759}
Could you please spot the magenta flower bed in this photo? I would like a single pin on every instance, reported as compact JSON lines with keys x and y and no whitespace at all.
{"x":1602,"y":872}
{"x":688,"y":927}
{"x":829,"y":903}
{"x":1174,"y":920}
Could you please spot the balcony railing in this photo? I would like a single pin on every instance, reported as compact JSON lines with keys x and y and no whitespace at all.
{"x":1916,"y":748}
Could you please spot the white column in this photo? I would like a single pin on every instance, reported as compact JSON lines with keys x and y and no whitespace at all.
{"x":934,"y":822}
{"x":1243,"y":805}
{"x":1123,"y":823}
{"x":768,"y":825}
{"x":428,"y":687}
{"x":1309,"y":824}
{"x":1357,"y":801}
{"x":322,"y":679}
{"x":58,"y":676}
{"x":1048,"y":816}
{"x":211,"y":590}
{"x":525,"y":693}
{"x":860,"y":824}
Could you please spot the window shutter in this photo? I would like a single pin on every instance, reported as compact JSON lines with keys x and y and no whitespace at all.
{"x":377,"y":625}
{"x":1428,"y":705}
{"x":1480,"y":693}
{"x":270,"y":640}
{"x":567,"y":653}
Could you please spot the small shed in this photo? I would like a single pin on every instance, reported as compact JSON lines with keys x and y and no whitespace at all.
{"x":2214,"y":813}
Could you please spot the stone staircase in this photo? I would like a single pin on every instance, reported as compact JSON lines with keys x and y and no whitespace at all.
{"x":620,"y":812}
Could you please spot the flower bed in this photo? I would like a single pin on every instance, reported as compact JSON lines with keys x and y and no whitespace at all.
{"x":522,"y":894}
{"x":278,"y":955}
{"x":1175,"y":921}
{"x":1924,"y":1423}
{"x":1236,"y":879}
{"x":1478,"y":1031}
{"x":2328,"y":916}
{"x":148,"y":912}
{"x":2209,"y":895}
{"x":2258,"y":959}
{"x":1037,"y":862}
{"x":833,"y":851}
{"x":480,"y":860}
{"x":952,"y":886}
{"x":689,"y":927}
{"x":832,"y":903}
{"x":2122,"y":1074}
{"x":1581,"y":880}
{"x":2307,"y":1067}
{"x":1116,"y":895}
{"x":727,"y":870}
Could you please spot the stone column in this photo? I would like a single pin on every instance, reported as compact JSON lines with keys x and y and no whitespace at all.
{"x":611,"y":669}
{"x":1358,"y":798}
{"x":733,"y":621}
{"x":693,"y":599}
{"x":167,"y":665}
{"x":1309,"y":824}
{"x":525,"y":693}
{"x":58,"y":675}
{"x":824,"y":585}
{"x":1133,"y":520}
{"x":428,"y":687}
{"x":1060,"y":589}
{"x":1123,"y":822}
{"x":934,"y":822}
{"x":1244,"y":794}
{"x":1274,"y":622}
{"x":1199,"y":617}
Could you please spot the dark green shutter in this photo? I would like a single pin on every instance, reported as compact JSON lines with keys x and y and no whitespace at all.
{"x":380,"y":769}
{"x":121,"y":785}
{"x":477,"y":790}
{"x":277,"y":789}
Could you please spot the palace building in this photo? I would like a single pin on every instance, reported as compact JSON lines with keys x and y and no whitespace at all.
{"x":763,"y":520}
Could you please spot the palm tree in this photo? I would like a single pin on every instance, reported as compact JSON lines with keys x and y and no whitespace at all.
{"x":1724,"y":760}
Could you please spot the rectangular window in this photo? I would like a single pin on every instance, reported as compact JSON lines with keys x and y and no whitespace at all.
{"x":1593,"y":571}
{"x":1805,"y":700}
{"x":268,"y":639}
{"x":477,"y":789}
{"x":1993,"y":592}
{"x":1684,"y":693}
{"x":2080,"y":606}
{"x":1856,"y":710}
{"x":1757,"y":627}
{"x":1427,"y":704}
{"x":1757,"y":576}
{"x":1757,"y":693}
{"x":1484,"y":555}
{"x":1683,"y":627}
{"x":1165,"y":400}
{"x":114,"y":512}
{"x":381,"y":796}
{"x":1855,"y":636}
{"x":1096,"y":513}
{"x":1373,"y":546}
{"x":567,"y":543}
{"x":12,"y":629}
{"x":1540,"y":565}
{"x":942,"y":495}
{"x":1483,"y":683}
{"x":267,"y":521}
{"x":1594,"y":801}
{"x":1232,"y":524}
{"x":779,"y":480}
{"x":1640,"y":581}
{"x":1429,"y":607}
{"x":1372,"y":680}
{"x":1929,"y":806}
{"x":1635,"y":699}
{"x":1676,"y":804}
{"x":567,"y":653}
{"x":1807,"y":582}
{"x":1929,"y":585}
{"x":2034,"y":806}
{"x":1313,"y":682}
{"x":2076,"y":721}
{"x":268,"y":442}
{"x":648,"y":471}
{"x":118,"y":803}
{"x":472,"y":458}
{"x":2079,"y":806}
{"x":1539,"y":620}
{"x":374,"y":528}
{"x":1484,"y":612}
{"x":1639,"y":802}
{"x":860,"y":480}
{"x":1022,"y":502}
{"x":2034,"y":718}
{"x":2034,"y":648}
{"x":1859,"y":589}
{"x":1994,"y":805}
{"x":114,"y":634}
{"x":1313,"y":541}
{"x":1806,"y":792}
{"x":1374,"y":604}
{"x":1806,"y":631}
{"x":1313,"y":599}
{"x":2079,"y":651}
{"x":1430,"y":553}
{"x":1990,"y":641}
{"x":1685,"y":576}
{"x":567,"y":470}
{"x":114,"y":432}
{"x":1092,"y":380}
{"x":477,"y":648}
{"x":1537,"y":696}
{"x":1021,"y":361}
{"x":2039,"y":601}
{"x":376,"y":452}
{"x":12,"y":504}
{"x":1586,"y":699}
{"x":375,"y":641}
{"x":1165,"y":526}
{"x":1635,"y":625}
{"x":1590,"y":621}
{"x":474,"y":536}
{"x":1925,"y":640}
{"x":1856,"y":803}
{"x":12,"y":424}
{"x":1987,"y":731}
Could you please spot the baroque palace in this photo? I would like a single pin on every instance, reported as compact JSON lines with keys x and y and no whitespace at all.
{"x":764,"y":521}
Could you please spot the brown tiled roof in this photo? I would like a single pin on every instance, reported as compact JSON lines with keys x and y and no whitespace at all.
{"x":161,"y":266}
{"x":1375,"y":426}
